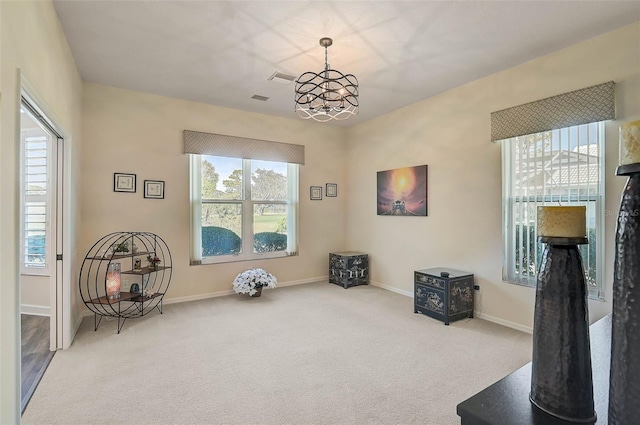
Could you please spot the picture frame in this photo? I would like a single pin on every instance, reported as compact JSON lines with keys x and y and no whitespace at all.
{"x":154,"y":189}
{"x":331,"y":190}
{"x":124,"y":182}
{"x":315,"y":193}
{"x":403,"y":191}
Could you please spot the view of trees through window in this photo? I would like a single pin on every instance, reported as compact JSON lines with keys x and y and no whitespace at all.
{"x":226,"y":196}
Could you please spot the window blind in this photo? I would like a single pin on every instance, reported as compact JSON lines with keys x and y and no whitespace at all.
{"x":197,"y":142}
{"x":591,"y":104}
{"x":559,"y":167}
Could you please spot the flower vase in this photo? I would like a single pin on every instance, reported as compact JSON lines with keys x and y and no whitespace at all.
{"x":258,"y":292}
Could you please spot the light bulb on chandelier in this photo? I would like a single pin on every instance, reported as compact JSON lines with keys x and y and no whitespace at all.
{"x":326,"y":95}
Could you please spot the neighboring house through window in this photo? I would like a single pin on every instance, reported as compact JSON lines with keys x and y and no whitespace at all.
{"x":553,"y":154}
{"x":559,"y":167}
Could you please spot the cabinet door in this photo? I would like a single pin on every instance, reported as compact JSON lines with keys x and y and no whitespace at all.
{"x":430,"y":299}
{"x":461,"y":296}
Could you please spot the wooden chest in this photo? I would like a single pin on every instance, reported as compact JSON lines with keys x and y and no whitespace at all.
{"x":444,"y":294}
{"x":348,"y":268}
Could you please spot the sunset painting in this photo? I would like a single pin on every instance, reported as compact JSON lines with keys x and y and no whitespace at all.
{"x":403,"y":191}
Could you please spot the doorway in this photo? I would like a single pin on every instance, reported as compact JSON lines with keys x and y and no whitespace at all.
{"x":40,"y":230}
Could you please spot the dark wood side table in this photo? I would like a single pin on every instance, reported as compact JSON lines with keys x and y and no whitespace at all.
{"x":444,"y":294}
{"x":507,"y":401}
{"x":348,"y":268}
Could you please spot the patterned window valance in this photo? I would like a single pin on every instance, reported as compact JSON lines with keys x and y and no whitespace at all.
{"x":592,"y":104}
{"x":241,"y":147}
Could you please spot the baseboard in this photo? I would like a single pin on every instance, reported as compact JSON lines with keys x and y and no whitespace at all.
{"x":507,"y":323}
{"x":85,"y":313}
{"x":231,"y":291}
{"x":391,"y":288}
{"x":198,"y":297}
{"x":477,"y":314}
{"x":35,"y":310}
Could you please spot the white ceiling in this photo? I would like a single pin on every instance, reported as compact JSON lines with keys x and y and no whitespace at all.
{"x":222,"y":52}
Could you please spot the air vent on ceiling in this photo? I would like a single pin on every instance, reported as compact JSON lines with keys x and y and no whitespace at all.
{"x":258,"y":97}
{"x":281,"y":78}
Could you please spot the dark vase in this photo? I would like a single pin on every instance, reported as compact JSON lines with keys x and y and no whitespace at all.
{"x":561,"y":379}
{"x":257,"y":294}
{"x":624,"y":385}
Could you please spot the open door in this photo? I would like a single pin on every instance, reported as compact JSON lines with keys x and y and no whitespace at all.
{"x":40,"y":242}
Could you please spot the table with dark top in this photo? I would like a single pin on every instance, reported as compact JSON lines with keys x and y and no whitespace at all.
{"x":507,"y":401}
{"x":349,"y":268}
{"x":444,"y":294}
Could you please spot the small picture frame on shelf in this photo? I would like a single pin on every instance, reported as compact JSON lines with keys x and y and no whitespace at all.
{"x":124,"y":182}
{"x":315,"y":193}
{"x":331,"y":190}
{"x":154,"y":189}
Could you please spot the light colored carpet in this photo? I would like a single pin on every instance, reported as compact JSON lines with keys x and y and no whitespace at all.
{"x":307,"y":354}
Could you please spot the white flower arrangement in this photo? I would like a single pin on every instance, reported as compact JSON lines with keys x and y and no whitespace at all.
{"x":248,"y":281}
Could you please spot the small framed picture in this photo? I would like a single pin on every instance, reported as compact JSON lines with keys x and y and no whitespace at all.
{"x":331,"y":190}
{"x":316,"y":193}
{"x":123,"y":182}
{"x":154,"y":189}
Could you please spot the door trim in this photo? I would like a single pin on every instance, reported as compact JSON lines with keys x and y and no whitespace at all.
{"x":56,"y":318}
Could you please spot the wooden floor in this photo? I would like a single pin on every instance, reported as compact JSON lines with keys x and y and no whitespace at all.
{"x":35,"y":353}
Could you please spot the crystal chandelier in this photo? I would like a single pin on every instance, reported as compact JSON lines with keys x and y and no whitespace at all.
{"x":326,"y":95}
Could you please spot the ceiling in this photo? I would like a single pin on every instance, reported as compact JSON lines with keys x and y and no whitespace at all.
{"x":223,"y":52}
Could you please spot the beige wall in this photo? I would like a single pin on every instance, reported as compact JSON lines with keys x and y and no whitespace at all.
{"x":34,"y":54}
{"x":451,"y":133}
{"x":133,"y":132}
{"x":126,"y":131}
{"x":35,"y":294}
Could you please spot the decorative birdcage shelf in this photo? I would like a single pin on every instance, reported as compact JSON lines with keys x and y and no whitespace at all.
{"x":101,"y":284}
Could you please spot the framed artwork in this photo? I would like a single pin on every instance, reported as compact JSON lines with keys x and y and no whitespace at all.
{"x":316,"y":193}
{"x":331,"y":190}
{"x":123,"y":182}
{"x":154,"y":189}
{"x":403,"y":191}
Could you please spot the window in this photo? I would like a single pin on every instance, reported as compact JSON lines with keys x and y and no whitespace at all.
{"x":558,"y":167}
{"x":242,"y":208}
{"x":35,"y":224}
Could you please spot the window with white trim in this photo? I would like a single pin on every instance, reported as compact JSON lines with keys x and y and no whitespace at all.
{"x":558,"y":167}
{"x":553,"y":154}
{"x":35,"y":224}
{"x":242,"y":209}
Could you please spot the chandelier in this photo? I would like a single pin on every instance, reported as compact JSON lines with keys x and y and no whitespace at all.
{"x":326,"y":95}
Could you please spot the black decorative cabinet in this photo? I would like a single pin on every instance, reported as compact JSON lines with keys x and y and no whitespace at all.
{"x":348,"y":268}
{"x":444,"y":294}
